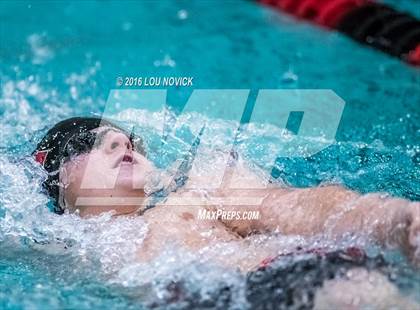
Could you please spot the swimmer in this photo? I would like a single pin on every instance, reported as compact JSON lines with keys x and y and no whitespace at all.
{"x":80,"y":153}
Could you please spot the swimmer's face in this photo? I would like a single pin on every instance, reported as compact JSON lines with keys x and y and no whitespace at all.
{"x":110,"y":177}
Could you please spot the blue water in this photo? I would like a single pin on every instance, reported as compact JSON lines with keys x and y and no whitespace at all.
{"x":61,"y":59}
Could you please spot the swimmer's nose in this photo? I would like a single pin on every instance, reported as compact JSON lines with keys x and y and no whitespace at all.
{"x":117,"y":141}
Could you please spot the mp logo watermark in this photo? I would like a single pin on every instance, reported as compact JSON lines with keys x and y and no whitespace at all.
{"x":320,"y":111}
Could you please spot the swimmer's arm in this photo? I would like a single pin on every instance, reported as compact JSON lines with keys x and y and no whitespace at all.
{"x":329,"y":210}
{"x":334,"y":211}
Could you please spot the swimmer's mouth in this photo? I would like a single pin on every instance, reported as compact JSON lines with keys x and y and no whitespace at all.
{"x":126,"y":159}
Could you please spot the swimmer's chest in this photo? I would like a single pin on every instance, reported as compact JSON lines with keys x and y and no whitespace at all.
{"x":186,"y":222}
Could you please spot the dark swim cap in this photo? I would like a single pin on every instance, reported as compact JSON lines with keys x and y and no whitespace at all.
{"x":72,"y":136}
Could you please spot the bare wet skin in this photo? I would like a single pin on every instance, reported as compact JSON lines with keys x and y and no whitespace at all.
{"x":181,"y":227}
{"x":298,"y":212}
{"x":176,"y":221}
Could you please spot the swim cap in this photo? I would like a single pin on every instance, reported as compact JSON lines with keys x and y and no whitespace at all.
{"x":72,"y":136}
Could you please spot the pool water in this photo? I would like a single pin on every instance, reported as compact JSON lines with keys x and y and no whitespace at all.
{"x":62,"y":59}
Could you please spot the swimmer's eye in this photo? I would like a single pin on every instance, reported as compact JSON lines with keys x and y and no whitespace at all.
{"x":84,"y":142}
{"x":81,"y":144}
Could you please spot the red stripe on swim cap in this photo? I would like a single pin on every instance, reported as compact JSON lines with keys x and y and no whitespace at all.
{"x":41,"y":156}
